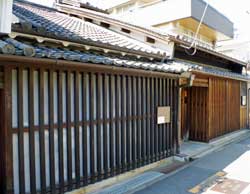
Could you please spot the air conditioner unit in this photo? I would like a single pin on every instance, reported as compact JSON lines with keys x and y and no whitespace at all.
{"x":5,"y":16}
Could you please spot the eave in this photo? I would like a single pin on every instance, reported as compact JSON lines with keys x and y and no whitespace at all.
{"x":87,"y":45}
{"x":212,"y":52}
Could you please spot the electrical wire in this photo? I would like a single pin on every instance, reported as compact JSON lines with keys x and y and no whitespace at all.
{"x":194,"y":43}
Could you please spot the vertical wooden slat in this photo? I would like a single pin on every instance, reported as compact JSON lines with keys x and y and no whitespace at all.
{"x":92,"y":129}
{"x":139,"y":120}
{"x":123,"y":123}
{"x":99,"y":145}
{"x":168,"y":93}
{"x":84,"y":130}
{"x":151,"y":88}
{"x":144,"y":129}
{"x":105,"y":129}
{"x":21,"y":132}
{"x":178,"y":116}
{"x":164,"y":139}
{"x":68,"y":120}
{"x":156,"y":104}
{"x":118,"y":132}
{"x":111,"y":132}
{"x":76,"y":126}
{"x":31,"y":133}
{"x":128,"y":128}
{"x":6,"y":139}
{"x":41,"y":131}
{"x":160,"y":126}
{"x":175,"y":116}
{"x":60,"y":132}
{"x":171,"y":116}
{"x":134,"y":122}
{"x":51,"y":131}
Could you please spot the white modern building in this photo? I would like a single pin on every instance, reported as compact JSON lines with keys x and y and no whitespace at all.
{"x":178,"y":16}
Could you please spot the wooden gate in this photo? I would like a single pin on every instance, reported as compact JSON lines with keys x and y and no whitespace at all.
{"x":72,"y":126}
{"x":197,"y":113}
{"x":212,"y":111}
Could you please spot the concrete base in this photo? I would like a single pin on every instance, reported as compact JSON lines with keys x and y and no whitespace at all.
{"x":191,"y":150}
{"x":122,"y":182}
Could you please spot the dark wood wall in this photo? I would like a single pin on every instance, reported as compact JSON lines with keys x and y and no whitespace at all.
{"x":198,"y":113}
{"x":243,"y":117}
{"x":102,"y":122}
{"x":212,"y":109}
{"x":224,"y":106}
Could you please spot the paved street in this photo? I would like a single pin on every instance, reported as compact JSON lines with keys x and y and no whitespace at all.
{"x":226,"y":171}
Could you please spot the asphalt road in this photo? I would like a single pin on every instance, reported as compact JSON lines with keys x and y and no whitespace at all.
{"x":225,"y":171}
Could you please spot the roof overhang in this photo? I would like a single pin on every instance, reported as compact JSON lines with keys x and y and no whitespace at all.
{"x":207,"y":50}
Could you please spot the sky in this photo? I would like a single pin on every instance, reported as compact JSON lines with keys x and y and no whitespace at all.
{"x":238,"y":11}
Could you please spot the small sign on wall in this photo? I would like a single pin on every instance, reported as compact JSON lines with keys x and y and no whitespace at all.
{"x":163,"y":114}
{"x":243,"y":100}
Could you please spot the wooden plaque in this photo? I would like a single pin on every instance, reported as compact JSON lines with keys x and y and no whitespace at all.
{"x":163,"y":114}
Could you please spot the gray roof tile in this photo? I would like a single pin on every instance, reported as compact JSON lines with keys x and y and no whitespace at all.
{"x":178,"y":67}
{"x":52,"y":22}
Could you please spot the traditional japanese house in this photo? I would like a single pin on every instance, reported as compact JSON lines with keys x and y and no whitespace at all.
{"x":220,"y":81}
{"x":79,"y":102}
{"x":85,"y":97}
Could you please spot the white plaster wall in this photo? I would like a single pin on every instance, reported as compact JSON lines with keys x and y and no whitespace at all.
{"x":5,"y":15}
{"x":171,"y":10}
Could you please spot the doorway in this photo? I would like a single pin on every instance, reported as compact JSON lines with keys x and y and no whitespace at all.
{"x":194,"y":102}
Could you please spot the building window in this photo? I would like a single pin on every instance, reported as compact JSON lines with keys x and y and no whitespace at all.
{"x":126,"y":30}
{"x":105,"y":25}
{"x":150,"y":40}
{"x":243,"y":93}
{"x":88,"y":20}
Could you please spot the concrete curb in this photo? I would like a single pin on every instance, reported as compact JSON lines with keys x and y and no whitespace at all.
{"x":218,"y":145}
{"x":113,"y":181}
{"x":215,"y":145}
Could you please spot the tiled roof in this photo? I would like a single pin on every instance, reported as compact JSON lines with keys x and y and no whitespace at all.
{"x":51,"y":23}
{"x":213,"y":70}
{"x":151,"y":31}
{"x":147,"y":30}
{"x":18,"y":48}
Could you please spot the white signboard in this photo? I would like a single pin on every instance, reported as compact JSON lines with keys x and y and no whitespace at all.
{"x":163,"y":114}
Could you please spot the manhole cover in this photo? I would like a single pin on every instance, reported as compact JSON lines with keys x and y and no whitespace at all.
{"x":230,"y":186}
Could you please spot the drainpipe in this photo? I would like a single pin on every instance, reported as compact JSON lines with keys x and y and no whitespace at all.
{"x":5,"y":16}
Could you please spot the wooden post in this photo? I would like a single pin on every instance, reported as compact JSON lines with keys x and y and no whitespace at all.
{"x":179,"y":120}
{"x":6,"y":174}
